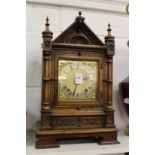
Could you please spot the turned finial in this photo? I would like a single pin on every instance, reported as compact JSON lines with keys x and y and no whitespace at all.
{"x":47,"y":19}
{"x":109,"y":29}
{"x":80,"y":13}
{"x":47,"y":25}
{"x":79,"y":18}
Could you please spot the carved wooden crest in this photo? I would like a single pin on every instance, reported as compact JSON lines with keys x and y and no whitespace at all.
{"x":78,"y":33}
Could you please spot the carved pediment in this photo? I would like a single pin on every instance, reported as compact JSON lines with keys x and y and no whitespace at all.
{"x":78,"y":33}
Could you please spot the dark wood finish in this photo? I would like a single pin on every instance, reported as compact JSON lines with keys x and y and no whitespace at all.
{"x":72,"y":119}
{"x":124,"y":92}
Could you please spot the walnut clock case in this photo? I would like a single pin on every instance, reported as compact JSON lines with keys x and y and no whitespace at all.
{"x":76,"y":86}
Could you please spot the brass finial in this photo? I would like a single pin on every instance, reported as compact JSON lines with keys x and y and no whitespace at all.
{"x":109,"y":29}
{"x":47,"y":25}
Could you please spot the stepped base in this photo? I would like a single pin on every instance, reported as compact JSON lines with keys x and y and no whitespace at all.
{"x":49,"y":139}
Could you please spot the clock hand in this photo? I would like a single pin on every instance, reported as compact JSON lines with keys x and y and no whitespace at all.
{"x":75,"y":89}
{"x":85,"y":78}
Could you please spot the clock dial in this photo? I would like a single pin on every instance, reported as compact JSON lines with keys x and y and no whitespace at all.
{"x":77,"y":80}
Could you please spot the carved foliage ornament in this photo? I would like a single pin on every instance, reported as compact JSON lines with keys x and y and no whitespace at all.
{"x":77,"y":122}
{"x":79,"y":40}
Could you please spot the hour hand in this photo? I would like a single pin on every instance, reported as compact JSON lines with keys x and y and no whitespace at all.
{"x":85,"y":78}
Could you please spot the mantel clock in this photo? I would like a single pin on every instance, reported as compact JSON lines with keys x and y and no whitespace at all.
{"x":76,"y":86}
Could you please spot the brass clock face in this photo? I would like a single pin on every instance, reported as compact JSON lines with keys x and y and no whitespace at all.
{"x":77,"y":80}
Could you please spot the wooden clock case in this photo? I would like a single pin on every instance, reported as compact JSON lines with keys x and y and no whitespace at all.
{"x":76,"y":119}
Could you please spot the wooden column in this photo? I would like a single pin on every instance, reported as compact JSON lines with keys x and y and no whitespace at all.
{"x":109,"y":83}
{"x":46,"y":78}
{"x":46,"y":72}
{"x":110,"y":44}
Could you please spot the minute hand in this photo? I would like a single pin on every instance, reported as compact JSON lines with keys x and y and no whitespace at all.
{"x":75,"y":89}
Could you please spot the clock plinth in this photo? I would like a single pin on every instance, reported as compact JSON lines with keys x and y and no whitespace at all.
{"x":49,"y":139}
{"x":76,"y":86}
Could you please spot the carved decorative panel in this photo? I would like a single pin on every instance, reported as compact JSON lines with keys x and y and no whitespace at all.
{"x":78,"y":40}
{"x":77,"y":122}
{"x":45,"y":120}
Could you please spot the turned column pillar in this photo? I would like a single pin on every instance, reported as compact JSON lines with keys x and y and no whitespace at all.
{"x":110,"y":45}
{"x":46,"y":72}
{"x":46,"y":77}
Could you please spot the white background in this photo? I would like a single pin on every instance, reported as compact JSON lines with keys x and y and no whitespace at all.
{"x":13,"y":77}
